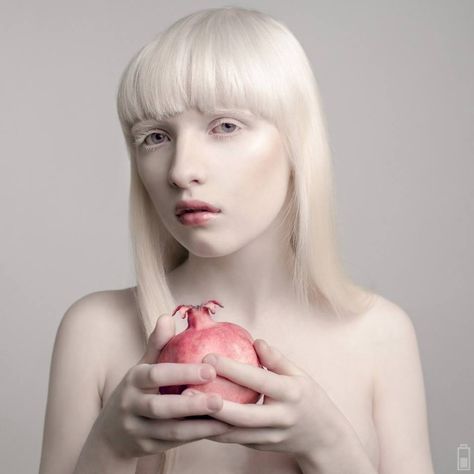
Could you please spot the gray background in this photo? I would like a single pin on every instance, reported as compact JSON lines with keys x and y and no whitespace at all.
{"x":396,"y":80}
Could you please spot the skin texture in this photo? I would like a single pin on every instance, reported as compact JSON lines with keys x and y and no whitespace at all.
{"x":358,"y":382}
{"x":238,"y":164}
{"x":247,"y":176}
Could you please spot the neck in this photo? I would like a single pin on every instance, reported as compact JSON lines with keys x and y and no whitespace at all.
{"x":249,"y":283}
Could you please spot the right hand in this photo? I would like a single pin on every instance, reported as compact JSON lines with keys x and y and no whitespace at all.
{"x":138,"y":421}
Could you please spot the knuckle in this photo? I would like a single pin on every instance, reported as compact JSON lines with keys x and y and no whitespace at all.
{"x":176,"y":433}
{"x":155,"y":373}
{"x":201,"y":402}
{"x":124,"y":404}
{"x":276,"y":437}
{"x":287,"y":420}
{"x":128,"y":426}
{"x":154,"y":406}
{"x":197,"y":407}
{"x":192,"y":372}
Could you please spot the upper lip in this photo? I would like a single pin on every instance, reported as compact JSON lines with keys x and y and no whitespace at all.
{"x":182,"y":206}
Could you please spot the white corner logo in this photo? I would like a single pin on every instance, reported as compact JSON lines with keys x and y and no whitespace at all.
{"x":464,"y":457}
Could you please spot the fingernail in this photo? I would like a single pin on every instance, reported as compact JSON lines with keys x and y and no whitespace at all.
{"x":213,"y":402}
{"x":208,"y":372}
{"x":210,"y":359}
{"x":189,"y":393}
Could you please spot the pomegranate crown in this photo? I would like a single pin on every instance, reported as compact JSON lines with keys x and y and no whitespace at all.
{"x":209,"y":307}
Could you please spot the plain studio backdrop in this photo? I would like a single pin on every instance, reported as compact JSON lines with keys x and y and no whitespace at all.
{"x":396,"y":80}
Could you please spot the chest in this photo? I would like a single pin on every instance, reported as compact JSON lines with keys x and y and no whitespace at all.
{"x":336,"y":357}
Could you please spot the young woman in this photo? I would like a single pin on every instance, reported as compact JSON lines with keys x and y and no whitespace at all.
{"x":223,"y":108}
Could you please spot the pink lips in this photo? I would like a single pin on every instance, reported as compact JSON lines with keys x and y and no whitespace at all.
{"x":197,"y":218}
{"x":195,"y":212}
{"x":194,"y":205}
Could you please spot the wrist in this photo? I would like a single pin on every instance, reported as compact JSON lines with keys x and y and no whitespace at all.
{"x":315,"y":458}
{"x":341,"y":453}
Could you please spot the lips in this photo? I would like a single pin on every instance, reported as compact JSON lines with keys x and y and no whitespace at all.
{"x":191,"y":211}
{"x":194,"y":206}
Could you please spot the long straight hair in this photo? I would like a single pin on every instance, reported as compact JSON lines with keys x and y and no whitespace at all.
{"x":234,"y":57}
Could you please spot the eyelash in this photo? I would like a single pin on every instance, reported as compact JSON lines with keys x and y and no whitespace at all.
{"x":140,"y":138}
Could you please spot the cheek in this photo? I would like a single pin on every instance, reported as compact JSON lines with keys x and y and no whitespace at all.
{"x":268,"y":178}
{"x":154,"y":181}
{"x":152,"y":174}
{"x":149,"y":172}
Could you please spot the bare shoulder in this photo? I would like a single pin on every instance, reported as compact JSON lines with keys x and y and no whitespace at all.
{"x":399,"y":398}
{"x":101,"y":312}
{"x":106,"y":322}
{"x":107,"y":301}
{"x":386,"y":321}
{"x":388,"y":333}
{"x":93,"y":328}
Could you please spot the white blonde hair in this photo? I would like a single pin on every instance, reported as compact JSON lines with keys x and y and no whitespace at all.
{"x":234,"y":57}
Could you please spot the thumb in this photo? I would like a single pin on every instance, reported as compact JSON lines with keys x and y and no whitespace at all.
{"x":165,"y":329}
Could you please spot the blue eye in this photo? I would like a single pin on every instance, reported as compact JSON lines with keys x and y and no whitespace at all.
{"x":152,"y":139}
{"x":153,"y":142}
{"x":230,"y":132}
{"x":228,"y":123}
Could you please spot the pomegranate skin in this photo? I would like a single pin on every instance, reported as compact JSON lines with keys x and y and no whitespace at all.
{"x":203,"y":336}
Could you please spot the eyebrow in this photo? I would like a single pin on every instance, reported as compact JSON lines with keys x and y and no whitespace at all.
{"x":244,"y":112}
{"x":147,"y":123}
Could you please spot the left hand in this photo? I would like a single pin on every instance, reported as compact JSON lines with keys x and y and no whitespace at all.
{"x":296,"y":417}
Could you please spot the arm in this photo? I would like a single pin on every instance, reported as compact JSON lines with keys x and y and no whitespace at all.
{"x":345,"y":455}
{"x":400,"y":413}
{"x":74,"y":395}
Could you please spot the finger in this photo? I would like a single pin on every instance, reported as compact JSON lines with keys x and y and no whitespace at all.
{"x":262,"y":381}
{"x":165,"y":329}
{"x":152,"y":376}
{"x":246,"y":437}
{"x":162,"y":407}
{"x":183,"y":430}
{"x":246,"y":415}
{"x":274,"y":360}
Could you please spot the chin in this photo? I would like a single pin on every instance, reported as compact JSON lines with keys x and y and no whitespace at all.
{"x":208,"y":252}
{"x":213,"y":248}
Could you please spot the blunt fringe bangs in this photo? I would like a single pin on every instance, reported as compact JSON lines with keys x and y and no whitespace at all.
{"x":235,"y":58}
{"x":216,"y":59}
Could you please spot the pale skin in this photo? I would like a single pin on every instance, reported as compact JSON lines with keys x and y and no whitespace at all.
{"x":339,"y":396}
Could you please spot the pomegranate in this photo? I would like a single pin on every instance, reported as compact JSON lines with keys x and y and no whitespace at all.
{"x":203,"y":336}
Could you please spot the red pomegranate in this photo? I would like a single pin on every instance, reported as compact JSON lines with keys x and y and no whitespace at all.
{"x":203,"y":336}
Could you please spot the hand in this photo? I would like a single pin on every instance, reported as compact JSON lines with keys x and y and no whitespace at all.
{"x":138,"y":421}
{"x":296,"y":417}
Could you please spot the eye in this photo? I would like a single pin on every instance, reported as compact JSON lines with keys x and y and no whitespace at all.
{"x":154,"y":138}
{"x":151,"y":139}
{"x":228,"y":127}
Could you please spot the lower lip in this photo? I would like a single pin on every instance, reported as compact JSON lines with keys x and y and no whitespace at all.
{"x":196,"y":218}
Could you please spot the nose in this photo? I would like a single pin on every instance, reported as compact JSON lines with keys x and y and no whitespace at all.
{"x":187,"y":164}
